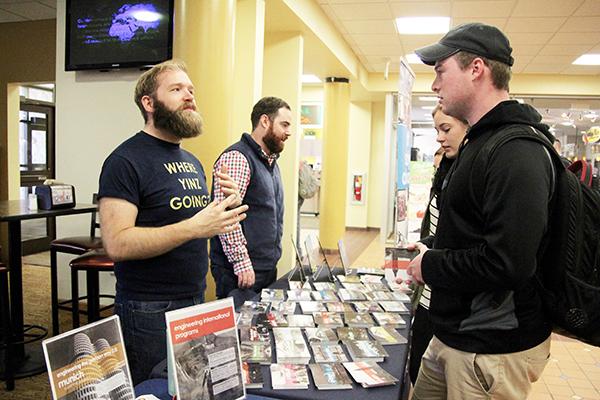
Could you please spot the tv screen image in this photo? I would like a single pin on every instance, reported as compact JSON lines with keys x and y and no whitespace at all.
{"x":118,"y":33}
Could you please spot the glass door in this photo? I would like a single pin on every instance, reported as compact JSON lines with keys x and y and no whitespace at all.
{"x":36,"y":155}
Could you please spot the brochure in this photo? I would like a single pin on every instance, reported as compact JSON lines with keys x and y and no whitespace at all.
{"x":89,"y":362}
{"x":321,"y":335}
{"x":386,"y":335}
{"x":289,"y":376}
{"x":253,"y":378}
{"x":204,"y":348}
{"x":328,"y":353}
{"x":369,"y":374}
{"x":330,"y":376}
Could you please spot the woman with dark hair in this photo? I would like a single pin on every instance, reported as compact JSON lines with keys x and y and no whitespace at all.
{"x":450,"y":134}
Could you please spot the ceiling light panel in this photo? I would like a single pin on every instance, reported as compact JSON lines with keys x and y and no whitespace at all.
{"x":422,"y":25}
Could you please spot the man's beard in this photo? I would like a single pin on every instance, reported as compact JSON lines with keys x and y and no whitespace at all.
{"x":273,"y":143}
{"x":180,"y":123}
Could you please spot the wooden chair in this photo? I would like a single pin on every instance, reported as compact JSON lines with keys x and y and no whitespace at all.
{"x":7,"y":337}
{"x":92,"y":263}
{"x":76,"y":245}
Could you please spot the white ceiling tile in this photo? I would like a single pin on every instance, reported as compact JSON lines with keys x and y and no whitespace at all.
{"x":497,"y":22}
{"x":378,"y":59}
{"x":588,"y":9}
{"x":529,"y":38}
{"x":31,"y":10}
{"x":382,"y":50}
{"x":581,"y":24}
{"x":475,"y":9}
{"x":554,"y":60}
{"x":535,"y":68}
{"x":546,"y":8}
{"x":49,"y":3}
{"x":521,"y":62}
{"x":564,"y":50}
{"x":10,"y":17}
{"x":356,"y":1}
{"x":362,"y":11}
{"x":421,"y":9}
{"x":582,"y":70}
{"x":548,"y":24}
{"x":526,"y":49}
{"x":369,"y":26}
{"x":376,"y":40}
{"x":412,"y":42}
{"x":566,"y":38}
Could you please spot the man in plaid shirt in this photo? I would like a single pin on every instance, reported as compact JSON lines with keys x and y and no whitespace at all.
{"x":247,"y":257}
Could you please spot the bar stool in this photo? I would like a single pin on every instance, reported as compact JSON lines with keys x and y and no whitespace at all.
{"x":7,"y":338}
{"x":92,"y":262}
{"x":76,"y":245}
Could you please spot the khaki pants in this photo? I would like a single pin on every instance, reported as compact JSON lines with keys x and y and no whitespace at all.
{"x":451,"y":374}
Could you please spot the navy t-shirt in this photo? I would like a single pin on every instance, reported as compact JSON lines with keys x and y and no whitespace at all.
{"x":168,"y":185}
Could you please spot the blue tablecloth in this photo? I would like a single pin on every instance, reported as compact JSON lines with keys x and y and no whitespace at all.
{"x":159,"y":388}
{"x":395,"y":364}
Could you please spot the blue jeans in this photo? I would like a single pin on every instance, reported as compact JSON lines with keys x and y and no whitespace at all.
{"x":144,"y":331}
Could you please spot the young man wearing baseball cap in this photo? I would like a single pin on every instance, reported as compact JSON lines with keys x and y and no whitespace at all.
{"x":491,"y":338}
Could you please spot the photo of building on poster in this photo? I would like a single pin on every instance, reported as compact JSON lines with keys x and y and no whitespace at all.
{"x":206,"y":352}
{"x":89,"y":363}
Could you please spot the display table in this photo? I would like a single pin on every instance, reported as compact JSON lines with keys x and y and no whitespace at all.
{"x":395,"y":364}
{"x":29,"y":359}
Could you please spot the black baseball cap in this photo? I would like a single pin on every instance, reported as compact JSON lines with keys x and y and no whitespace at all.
{"x":484,"y":40}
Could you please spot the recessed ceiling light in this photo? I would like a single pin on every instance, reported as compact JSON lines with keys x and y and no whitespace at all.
{"x":588,"y":59}
{"x":428,"y":98}
{"x":428,"y":107}
{"x":590,"y":115}
{"x":412,"y":58}
{"x":567,"y":123}
{"x":422,"y":25}
{"x":310,"y":78}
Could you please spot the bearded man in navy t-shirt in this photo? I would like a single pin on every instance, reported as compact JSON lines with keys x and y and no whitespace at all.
{"x":156,"y":215}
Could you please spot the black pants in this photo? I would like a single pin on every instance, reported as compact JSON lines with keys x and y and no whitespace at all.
{"x":422,"y":332}
{"x":226,"y":282}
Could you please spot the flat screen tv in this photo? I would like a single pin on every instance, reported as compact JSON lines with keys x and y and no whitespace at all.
{"x":109,"y":34}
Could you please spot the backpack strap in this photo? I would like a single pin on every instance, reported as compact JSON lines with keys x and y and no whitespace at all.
{"x":503,"y":135}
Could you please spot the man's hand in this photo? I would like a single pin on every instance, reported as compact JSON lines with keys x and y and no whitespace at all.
{"x":215,"y":218}
{"x":246,"y":279}
{"x":229,"y":186}
{"x":414,"y":267}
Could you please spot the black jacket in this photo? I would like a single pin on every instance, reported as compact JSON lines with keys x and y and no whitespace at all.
{"x":485,"y":250}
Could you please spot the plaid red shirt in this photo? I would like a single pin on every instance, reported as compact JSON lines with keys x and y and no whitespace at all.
{"x":234,"y":243}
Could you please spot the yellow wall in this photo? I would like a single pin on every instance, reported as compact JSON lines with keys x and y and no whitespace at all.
{"x":28,"y":52}
{"x":376,"y":168}
{"x":359,"y":152}
{"x":282,"y":75}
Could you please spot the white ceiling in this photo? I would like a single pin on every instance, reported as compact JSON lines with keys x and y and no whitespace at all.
{"x":26,"y":10}
{"x":546,"y":35}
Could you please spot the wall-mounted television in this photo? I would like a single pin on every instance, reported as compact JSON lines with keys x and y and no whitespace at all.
{"x":110,"y":34}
